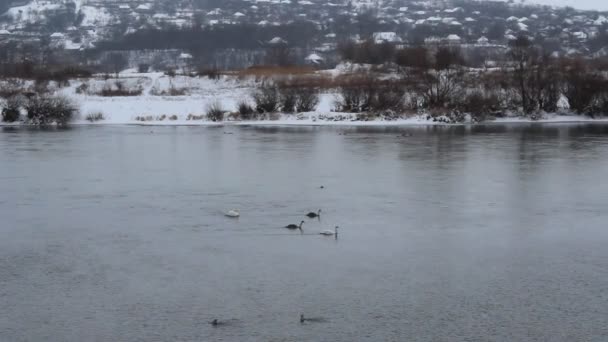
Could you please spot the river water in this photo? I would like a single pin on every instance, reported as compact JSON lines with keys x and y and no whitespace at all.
{"x":484,"y":233}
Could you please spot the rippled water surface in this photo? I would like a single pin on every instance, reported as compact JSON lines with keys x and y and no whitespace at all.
{"x":489,"y":233}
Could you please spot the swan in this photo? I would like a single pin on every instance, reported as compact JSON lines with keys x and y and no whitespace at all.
{"x":295,"y":226}
{"x":313,"y":319}
{"x":329,"y":232}
{"x":233,"y":213}
{"x":313,"y":215}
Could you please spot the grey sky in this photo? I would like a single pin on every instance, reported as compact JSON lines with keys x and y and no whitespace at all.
{"x":582,"y":4}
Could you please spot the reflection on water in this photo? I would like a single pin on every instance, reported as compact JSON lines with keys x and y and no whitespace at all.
{"x":480,"y":233}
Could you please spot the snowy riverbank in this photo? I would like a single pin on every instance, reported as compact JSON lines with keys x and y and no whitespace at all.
{"x":154,"y":106}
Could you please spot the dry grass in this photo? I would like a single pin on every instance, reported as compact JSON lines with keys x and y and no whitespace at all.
{"x":274,"y":71}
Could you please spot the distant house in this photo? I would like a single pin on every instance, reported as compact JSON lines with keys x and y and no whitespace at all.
{"x":124,"y":8}
{"x":143,"y":8}
{"x":386,"y":37}
{"x":453,"y":39}
{"x":277,"y":41}
{"x":314,"y":59}
{"x":483,"y":41}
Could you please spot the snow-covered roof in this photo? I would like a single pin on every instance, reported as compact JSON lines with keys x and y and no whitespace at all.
{"x":57,"y":35}
{"x":390,"y":37}
{"x":277,"y":40}
{"x":314,"y":58}
{"x":453,"y":37}
{"x":580,"y":35}
{"x":184,"y":55}
{"x":483,"y":40}
{"x":4,"y":32}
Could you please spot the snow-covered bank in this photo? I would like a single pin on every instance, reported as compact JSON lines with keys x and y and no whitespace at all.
{"x":155,"y":105}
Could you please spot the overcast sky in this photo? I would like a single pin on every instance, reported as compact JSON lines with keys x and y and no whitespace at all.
{"x":582,"y":4}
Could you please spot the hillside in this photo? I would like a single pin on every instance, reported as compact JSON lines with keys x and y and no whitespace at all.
{"x":213,"y":30}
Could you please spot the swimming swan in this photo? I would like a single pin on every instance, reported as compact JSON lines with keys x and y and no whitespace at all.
{"x":295,"y":226}
{"x":233,"y":213}
{"x":313,"y":215}
{"x":329,"y":232}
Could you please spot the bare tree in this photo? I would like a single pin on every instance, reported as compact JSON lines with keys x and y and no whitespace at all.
{"x":116,"y":62}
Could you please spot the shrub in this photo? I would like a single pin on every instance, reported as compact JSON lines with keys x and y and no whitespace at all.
{"x":11,"y":87}
{"x":171,"y":73}
{"x":45,"y":110}
{"x":357,"y":94}
{"x":11,"y":109}
{"x":288,"y":97}
{"x":120,"y":90}
{"x":83,"y":88}
{"x":266,"y":99}
{"x":143,"y":68}
{"x":212,"y":74}
{"x":246,"y":111}
{"x":307,"y":100}
{"x":173,"y":117}
{"x":93,"y":117}
{"x":388,"y":98}
{"x":215,"y":112}
{"x":479,"y":105}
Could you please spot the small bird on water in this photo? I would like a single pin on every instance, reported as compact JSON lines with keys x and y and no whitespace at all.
{"x":313,"y":215}
{"x":312,"y":320}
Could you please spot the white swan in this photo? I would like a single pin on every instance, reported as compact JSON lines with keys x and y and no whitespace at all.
{"x":233,"y":213}
{"x":329,"y":232}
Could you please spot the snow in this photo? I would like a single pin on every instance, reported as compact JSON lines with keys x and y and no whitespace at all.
{"x":156,"y":107}
{"x":277,"y":40}
{"x":314,"y":58}
{"x":95,"y":16}
{"x":390,"y":37}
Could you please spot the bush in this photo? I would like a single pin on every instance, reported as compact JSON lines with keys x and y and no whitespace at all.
{"x":120,"y":90}
{"x":11,"y":109}
{"x":307,"y":100}
{"x":11,"y":87}
{"x":388,"y":98}
{"x":351,"y":99}
{"x":212,"y":74}
{"x":288,"y":97}
{"x":93,"y":117}
{"x":246,"y":111}
{"x":266,"y":99}
{"x":45,"y":110}
{"x":215,"y":112}
{"x":479,"y":105}
{"x":143,"y":68}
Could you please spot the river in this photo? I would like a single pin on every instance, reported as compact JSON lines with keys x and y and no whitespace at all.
{"x":457,"y":233}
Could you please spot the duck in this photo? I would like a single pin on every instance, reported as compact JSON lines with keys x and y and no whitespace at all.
{"x":329,"y":232}
{"x":215,"y":323}
{"x":295,"y":226}
{"x":233,"y":213}
{"x":313,"y":215}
